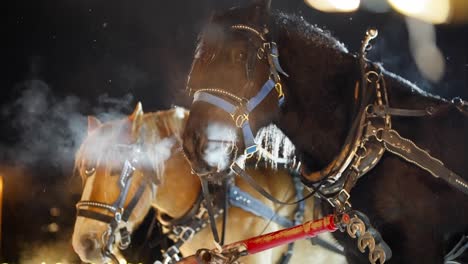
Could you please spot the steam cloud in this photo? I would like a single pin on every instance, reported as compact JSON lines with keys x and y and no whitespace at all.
{"x":49,"y":128}
{"x":56,"y":252}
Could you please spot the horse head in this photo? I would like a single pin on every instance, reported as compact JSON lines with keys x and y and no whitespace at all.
{"x":119,"y":180}
{"x":231,"y":62}
{"x":253,"y":67}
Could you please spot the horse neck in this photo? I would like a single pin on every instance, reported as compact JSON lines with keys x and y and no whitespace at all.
{"x":178,"y":188}
{"x":319,"y":96}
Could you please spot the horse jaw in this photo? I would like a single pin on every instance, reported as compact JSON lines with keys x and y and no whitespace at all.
{"x":221,"y":139}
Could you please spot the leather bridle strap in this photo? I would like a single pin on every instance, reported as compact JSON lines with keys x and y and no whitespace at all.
{"x":132,"y":204}
{"x":94,"y":215}
{"x":245,"y":176}
{"x":209,"y":203}
{"x":239,"y":113}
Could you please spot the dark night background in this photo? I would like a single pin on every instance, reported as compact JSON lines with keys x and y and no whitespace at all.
{"x":64,"y":59}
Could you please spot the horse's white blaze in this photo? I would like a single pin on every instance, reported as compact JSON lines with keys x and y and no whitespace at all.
{"x":221,"y":140}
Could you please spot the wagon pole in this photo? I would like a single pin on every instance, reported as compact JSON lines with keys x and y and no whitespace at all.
{"x":230,"y":253}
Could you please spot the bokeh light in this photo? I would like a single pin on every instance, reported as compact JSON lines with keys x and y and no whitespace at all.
{"x":334,"y":5}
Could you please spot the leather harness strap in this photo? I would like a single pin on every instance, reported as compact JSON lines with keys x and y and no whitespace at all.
{"x":245,"y":176}
{"x":407,"y":150}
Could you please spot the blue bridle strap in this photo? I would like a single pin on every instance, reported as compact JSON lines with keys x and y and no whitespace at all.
{"x":241,"y":199}
{"x":216,"y":101}
{"x":240,"y":114}
{"x":257,"y":99}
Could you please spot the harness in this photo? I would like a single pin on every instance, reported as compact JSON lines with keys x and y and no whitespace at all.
{"x":184,"y":228}
{"x":119,"y":214}
{"x":370,"y":136}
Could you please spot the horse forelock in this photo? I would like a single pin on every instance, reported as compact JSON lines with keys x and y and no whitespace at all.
{"x":161,"y":131}
{"x":96,"y":144}
{"x":162,"y":136}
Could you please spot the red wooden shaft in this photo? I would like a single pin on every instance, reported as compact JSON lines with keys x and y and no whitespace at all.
{"x":286,"y":236}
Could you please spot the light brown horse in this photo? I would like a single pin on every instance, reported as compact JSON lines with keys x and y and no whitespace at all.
{"x":162,"y":179}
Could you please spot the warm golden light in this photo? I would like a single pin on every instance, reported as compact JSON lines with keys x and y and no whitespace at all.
{"x":1,"y":200}
{"x":432,"y":11}
{"x":334,"y":5}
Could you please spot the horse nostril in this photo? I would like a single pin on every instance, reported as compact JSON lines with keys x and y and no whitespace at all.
{"x":87,"y":243}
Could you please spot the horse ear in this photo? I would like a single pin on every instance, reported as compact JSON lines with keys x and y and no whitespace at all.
{"x":261,"y":12}
{"x":136,"y":119}
{"x":93,"y":123}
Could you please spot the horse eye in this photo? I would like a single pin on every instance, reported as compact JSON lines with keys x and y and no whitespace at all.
{"x":90,"y":171}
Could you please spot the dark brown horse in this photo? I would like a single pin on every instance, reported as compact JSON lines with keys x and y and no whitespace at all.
{"x":419,"y":216}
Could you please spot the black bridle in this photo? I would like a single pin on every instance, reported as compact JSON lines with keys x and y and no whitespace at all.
{"x":119,"y":213}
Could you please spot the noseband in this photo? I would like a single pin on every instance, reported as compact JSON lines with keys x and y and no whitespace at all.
{"x":119,"y":213}
{"x":240,"y":108}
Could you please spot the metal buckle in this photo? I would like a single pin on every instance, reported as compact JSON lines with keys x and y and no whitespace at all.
{"x":241,"y":119}
{"x":201,"y":212}
{"x":172,"y":253}
{"x":279,"y":90}
{"x":240,"y":116}
{"x":125,"y":238}
{"x":184,"y":233}
{"x":340,"y":201}
{"x":118,"y":216}
{"x":260,"y":53}
{"x":250,"y":151}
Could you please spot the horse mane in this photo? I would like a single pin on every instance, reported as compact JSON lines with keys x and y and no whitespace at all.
{"x":313,"y":37}
{"x":301,"y":30}
{"x":163,"y":132}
